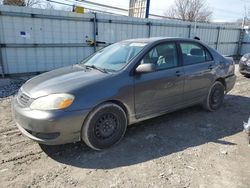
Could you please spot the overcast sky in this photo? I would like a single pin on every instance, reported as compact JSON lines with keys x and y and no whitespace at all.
{"x":223,"y":10}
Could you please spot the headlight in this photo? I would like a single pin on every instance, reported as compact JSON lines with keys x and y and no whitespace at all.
{"x":243,"y":58}
{"x":52,"y":102}
{"x":248,"y":63}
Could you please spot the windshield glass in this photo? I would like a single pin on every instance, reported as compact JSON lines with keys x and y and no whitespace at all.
{"x":115,"y":56}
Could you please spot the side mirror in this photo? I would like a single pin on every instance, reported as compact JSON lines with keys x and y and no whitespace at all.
{"x":145,"y":68}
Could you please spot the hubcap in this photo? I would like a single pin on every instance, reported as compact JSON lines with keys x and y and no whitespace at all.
{"x":106,"y":126}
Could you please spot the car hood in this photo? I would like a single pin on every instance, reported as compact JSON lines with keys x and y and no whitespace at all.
{"x":62,"y":80}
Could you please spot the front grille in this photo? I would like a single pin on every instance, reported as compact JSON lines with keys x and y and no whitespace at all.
{"x":23,"y":99}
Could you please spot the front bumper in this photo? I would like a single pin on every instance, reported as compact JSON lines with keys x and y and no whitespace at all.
{"x":49,"y":127}
{"x":230,"y":82}
{"x":244,"y":68}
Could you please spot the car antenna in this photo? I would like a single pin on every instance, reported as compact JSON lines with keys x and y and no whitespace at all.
{"x":197,"y":38}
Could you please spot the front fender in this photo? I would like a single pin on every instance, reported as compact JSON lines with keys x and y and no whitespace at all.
{"x":118,"y":87}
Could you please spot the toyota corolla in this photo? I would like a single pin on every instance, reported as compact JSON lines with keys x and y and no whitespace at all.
{"x":127,"y":82}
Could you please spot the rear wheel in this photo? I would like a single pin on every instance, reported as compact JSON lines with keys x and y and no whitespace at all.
{"x":247,"y":75}
{"x":105,"y":126}
{"x":215,"y":97}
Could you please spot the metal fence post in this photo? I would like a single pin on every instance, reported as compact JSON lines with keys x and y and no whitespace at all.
{"x":1,"y":62}
{"x":147,"y":8}
{"x":1,"y":55}
{"x":189,"y":30}
{"x":149,"y":29}
{"x":240,"y":42}
{"x":218,"y":38}
{"x":95,"y":31}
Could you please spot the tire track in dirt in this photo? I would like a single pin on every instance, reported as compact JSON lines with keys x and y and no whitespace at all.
{"x":8,"y":130}
{"x":19,"y":142}
{"x":56,"y":176}
{"x":22,"y":158}
{"x":13,"y":132}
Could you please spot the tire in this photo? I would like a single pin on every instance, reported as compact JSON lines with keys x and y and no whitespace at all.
{"x":246,"y":75}
{"x":215,"y":97}
{"x":104,"y":127}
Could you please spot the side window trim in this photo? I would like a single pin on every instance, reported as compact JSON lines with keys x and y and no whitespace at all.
{"x":208,"y":53}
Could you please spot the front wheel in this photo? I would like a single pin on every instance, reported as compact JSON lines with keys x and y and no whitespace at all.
{"x":105,"y":126}
{"x":215,"y":97}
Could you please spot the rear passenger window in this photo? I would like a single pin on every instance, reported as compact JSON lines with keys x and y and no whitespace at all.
{"x":164,"y":56}
{"x":194,"y":53}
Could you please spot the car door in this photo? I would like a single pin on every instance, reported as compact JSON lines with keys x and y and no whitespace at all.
{"x":161,"y":90}
{"x":199,"y":71}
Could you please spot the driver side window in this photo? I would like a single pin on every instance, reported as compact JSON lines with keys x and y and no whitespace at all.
{"x":163,"y":56}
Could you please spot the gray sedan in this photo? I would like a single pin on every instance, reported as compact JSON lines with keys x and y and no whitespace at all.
{"x":124,"y":83}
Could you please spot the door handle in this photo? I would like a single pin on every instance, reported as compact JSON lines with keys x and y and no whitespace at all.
{"x":178,"y":73}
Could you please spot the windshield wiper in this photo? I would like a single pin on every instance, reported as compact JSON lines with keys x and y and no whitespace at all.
{"x":97,"y":68}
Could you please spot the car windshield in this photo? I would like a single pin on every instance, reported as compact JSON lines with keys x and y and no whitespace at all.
{"x":114,"y":57}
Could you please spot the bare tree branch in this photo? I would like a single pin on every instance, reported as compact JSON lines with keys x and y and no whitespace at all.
{"x":28,"y":3}
{"x":14,"y":2}
{"x":31,"y":3}
{"x":48,"y":5}
{"x":190,"y":10}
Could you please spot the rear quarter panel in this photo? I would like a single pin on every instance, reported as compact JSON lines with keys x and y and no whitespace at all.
{"x":224,"y":66}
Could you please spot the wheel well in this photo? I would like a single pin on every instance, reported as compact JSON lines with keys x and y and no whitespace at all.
{"x":119,"y":103}
{"x":222,"y":81}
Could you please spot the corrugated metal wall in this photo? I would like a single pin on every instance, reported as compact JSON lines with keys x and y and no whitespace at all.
{"x":36,"y":40}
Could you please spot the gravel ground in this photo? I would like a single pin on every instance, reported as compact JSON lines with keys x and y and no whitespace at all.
{"x":9,"y":87}
{"x":187,"y":148}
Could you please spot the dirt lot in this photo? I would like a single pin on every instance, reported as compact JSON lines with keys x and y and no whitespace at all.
{"x":188,"y":148}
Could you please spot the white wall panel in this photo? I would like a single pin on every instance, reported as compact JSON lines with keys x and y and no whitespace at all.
{"x":63,"y":28}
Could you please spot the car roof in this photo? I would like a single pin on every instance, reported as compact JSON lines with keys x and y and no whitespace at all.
{"x":156,"y":39}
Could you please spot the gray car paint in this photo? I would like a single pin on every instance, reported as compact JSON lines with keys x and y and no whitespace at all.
{"x":141,"y":95}
{"x":244,"y":68}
